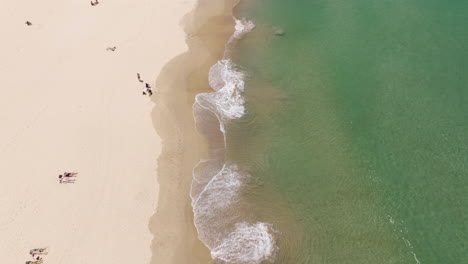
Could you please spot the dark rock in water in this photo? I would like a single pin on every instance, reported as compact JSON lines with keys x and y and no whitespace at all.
{"x":279,"y":32}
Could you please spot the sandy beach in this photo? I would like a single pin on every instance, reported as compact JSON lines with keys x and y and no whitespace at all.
{"x":68,"y":104}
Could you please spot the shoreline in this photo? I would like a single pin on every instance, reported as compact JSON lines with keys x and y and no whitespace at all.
{"x":209,"y":26}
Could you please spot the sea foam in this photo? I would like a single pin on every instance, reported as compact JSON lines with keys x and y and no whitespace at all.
{"x":217,"y":185}
{"x":243,"y":26}
{"x":247,"y":244}
{"x":227,"y":79}
{"x":228,"y":82}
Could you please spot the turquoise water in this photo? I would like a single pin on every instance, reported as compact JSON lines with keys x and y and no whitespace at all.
{"x":356,"y":132}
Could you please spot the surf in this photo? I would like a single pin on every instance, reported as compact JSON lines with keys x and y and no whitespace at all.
{"x":218,"y":207}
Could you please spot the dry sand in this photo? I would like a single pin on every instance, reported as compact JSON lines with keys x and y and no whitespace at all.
{"x":67,"y":104}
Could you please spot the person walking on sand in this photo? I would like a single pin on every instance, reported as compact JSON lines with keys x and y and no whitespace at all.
{"x":64,"y":181}
{"x":139,"y":77}
{"x":148,"y":89}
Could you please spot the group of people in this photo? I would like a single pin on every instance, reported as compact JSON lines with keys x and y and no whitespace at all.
{"x":147,"y":89}
{"x":36,"y":254}
{"x":67,"y":177}
{"x":94,"y":3}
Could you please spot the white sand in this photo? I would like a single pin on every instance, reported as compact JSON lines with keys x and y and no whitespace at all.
{"x":67,"y":104}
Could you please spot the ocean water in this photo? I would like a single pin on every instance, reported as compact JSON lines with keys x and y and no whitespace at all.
{"x":338,"y":134}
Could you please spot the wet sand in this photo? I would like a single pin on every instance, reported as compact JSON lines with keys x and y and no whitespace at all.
{"x":208,"y":29}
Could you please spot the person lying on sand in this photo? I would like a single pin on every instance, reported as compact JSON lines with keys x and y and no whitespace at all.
{"x":38,"y":251}
{"x":35,"y":262}
{"x":70,"y":174}
{"x":67,"y":181}
{"x":139,"y":77}
{"x":111,"y":48}
{"x":28,"y":23}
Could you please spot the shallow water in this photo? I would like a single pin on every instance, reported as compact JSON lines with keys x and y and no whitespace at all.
{"x":353,"y":143}
{"x":221,"y":214}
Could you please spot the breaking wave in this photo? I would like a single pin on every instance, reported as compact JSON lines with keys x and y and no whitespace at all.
{"x":228,"y":82}
{"x":219,"y":211}
{"x":249,"y":243}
